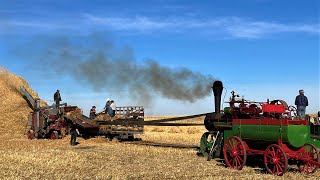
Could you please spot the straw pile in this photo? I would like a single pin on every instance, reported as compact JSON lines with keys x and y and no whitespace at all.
{"x":14,"y":109}
{"x":106,"y":117}
{"x":75,"y":113}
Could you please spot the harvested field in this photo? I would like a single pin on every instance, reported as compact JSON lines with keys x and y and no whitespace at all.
{"x":99,"y":158}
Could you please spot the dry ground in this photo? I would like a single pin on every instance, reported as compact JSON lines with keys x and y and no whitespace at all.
{"x":98,"y":158}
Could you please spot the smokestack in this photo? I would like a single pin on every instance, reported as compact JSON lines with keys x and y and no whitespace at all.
{"x":217,"y":91}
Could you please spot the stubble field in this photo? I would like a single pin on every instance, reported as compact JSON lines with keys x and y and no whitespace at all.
{"x":99,"y":158}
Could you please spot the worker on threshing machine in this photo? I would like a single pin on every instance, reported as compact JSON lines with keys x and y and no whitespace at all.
{"x":106,"y":107}
{"x":57,"y":98}
{"x":113,"y":108}
{"x":301,"y":102}
{"x":74,"y":132}
{"x":93,"y":112}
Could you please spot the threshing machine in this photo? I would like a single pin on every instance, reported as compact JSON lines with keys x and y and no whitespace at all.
{"x":267,"y":128}
{"x":52,"y":122}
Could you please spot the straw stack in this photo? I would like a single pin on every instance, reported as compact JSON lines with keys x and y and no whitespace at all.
{"x":14,"y":109}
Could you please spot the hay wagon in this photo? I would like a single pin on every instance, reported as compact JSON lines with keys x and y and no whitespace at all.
{"x":270,"y":129}
{"x":127,"y":123}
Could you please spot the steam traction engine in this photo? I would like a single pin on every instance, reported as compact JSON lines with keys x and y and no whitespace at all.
{"x":267,"y":128}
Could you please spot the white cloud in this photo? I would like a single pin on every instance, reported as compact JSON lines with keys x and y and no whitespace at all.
{"x":233,"y":27}
{"x":230,"y":26}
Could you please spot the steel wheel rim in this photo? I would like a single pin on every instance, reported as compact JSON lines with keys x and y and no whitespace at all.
{"x":275,"y":160}
{"x":311,"y":153}
{"x":234,"y":153}
{"x":205,"y":145}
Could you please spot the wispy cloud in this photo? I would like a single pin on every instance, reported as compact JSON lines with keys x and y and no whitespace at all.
{"x":255,"y":29}
{"x":234,"y":27}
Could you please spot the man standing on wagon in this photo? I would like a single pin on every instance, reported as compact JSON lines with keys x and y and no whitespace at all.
{"x":113,"y":108}
{"x":301,"y":102}
{"x":93,"y":112}
{"x":57,"y":98}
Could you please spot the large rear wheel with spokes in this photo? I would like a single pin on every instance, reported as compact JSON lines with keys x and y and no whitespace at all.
{"x":234,"y":152}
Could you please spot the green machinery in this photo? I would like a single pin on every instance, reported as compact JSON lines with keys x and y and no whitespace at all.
{"x":269,"y":128}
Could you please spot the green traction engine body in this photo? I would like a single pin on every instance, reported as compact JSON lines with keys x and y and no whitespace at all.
{"x":258,"y":123}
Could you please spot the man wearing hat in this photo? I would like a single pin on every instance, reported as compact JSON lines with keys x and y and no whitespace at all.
{"x":93,"y":112}
{"x":301,"y":102}
{"x":107,"y":106}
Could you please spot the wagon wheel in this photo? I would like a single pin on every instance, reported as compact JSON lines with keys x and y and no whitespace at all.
{"x":30,"y":134}
{"x":206,"y":143}
{"x":54,"y":135}
{"x":310,"y":153}
{"x":234,"y":152}
{"x":275,"y":160}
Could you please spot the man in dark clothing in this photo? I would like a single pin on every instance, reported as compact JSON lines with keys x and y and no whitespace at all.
{"x":74,"y":132}
{"x":57,"y":98}
{"x":107,"y":106}
{"x":301,"y":102}
{"x":93,"y":112}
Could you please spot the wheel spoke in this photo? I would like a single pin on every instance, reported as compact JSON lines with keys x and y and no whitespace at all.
{"x":304,"y":168}
{"x":232,"y":162}
{"x":279,"y":153}
{"x":311,"y":166}
{"x":269,"y":156}
{"x":308,"y":167}
{"x":240,"y":160}
{"x":236,"y":163}
{"x":232,"y":144}
{"x":276,"y":151}
{"x":280,"y":167}
{"x":272,"y":151}
{"x":281,"y":163}
{"x":274,"y":169}
{"x":228,"y":146}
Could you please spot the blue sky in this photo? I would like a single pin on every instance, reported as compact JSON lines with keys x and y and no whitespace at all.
{"x":259,"y":48}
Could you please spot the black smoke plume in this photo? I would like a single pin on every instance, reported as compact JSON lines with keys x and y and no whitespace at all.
{"x":105,"y":67}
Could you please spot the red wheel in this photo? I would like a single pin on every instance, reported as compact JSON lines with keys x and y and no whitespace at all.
{"x":234,"y":153}
{"x":310,"y":153}
{"x":275,"y":160}
{"x":54,"y":135}
{"x":30,"y":134}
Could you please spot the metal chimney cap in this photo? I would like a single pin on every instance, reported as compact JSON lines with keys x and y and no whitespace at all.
{"x":217,"y":84}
